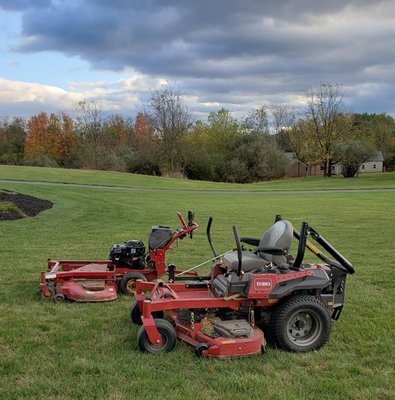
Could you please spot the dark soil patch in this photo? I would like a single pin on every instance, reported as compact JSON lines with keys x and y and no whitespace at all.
{"x":29,"y":205}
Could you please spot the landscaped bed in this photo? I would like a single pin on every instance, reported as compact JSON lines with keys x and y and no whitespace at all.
{"x":16,"y":205}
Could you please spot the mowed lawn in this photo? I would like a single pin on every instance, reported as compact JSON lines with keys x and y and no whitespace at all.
{"x":89,"y":351}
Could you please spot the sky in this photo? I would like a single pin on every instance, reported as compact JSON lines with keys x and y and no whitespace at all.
{"x":235,"y":54}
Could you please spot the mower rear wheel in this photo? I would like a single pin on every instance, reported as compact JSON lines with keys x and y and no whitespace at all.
{"x":167,"y":333}
{"x":135,"y":314}
{"x":301,"y":324}
{"x":127,"y":285}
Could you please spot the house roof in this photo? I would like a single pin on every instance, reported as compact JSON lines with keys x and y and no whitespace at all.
{"x":292,"y":159}
{"x":377,"y":157}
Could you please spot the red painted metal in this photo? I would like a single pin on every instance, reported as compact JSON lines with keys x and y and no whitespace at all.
{"x":173,"y":297}
{"x":72,"y":278}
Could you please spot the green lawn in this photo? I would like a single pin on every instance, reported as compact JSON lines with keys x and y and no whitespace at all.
{"x":89,"y":351}
{"x":110,"y":178}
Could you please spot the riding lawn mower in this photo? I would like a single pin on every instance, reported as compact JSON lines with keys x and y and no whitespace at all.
{"x":94,"y":281}
{"x":249,"y":290}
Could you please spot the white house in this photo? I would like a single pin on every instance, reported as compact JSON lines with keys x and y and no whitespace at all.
{"x":374,"y":164}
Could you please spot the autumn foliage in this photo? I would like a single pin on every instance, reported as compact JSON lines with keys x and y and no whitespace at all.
{"x":52,"y":136}
{"x":164,"y":140}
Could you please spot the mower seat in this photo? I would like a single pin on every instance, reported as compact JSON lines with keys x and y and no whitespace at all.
{"x":278,"y":236}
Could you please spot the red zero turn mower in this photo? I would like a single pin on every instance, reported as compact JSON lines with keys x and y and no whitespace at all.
{"x":219,"y":314}
{"x":93,"y":281}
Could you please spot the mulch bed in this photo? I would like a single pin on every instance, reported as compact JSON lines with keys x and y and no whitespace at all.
{"x":30,"y":205}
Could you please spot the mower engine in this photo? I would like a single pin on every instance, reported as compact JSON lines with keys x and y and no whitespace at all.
{"x":130,"y":253}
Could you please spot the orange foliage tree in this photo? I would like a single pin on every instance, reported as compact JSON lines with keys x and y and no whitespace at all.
{"x":52,"y":136}
{"x":143,"y":136}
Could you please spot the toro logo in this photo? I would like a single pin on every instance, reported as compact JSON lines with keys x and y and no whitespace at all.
{"x":262,"y":284}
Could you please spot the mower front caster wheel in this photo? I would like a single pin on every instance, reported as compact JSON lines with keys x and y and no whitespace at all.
{"x":135,"y":314}
{"x":301,"y":324}
{"x":127,"y":285}
{"x":200,"y":348}
{"x":59,"y":298}
{"x":167,"y":333}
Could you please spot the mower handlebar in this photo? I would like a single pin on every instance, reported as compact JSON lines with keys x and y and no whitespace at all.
{"x":186,"y":228}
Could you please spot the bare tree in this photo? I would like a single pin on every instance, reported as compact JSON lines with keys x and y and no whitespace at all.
{"x":282,"y":117}
{"x":171,"y":120}
{"x":329,"y":124}
{"x":257,"y":121}
{"x":90,"y":121}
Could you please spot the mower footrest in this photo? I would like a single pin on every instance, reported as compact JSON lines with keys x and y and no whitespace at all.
{"x":93,"y":268}
{"x":94,"y":285}
{"x":197,"y":285}
{"x":233,"y":328}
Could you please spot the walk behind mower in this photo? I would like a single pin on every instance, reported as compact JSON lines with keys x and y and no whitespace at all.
{"x":221,"y":314}
{"x":94,"y":281}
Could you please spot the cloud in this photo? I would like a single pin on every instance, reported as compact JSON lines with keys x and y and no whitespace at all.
{"x":223,"y":52}
{"x":36,"y":96}
{"x":123,"y":96}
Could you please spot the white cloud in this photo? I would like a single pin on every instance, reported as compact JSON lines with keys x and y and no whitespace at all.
{"x":22,"y":92}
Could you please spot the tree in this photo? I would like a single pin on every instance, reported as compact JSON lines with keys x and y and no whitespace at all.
{"x":170,"y":119}
{"x":145,"y":157}
{"x":352,"y":155}
{"x":65,"y":142}
{"x":143,"y":134}
{"x":380,"y":130}
{"x":49,"y":140}
{"x":257,"y":121}
{"x":90,"y":121}
{"x":282,"y":118}
{"x":198,"y":155}
{"x":12,"y":137}
{"x":258,"y":159}
{"x":328,"y":126}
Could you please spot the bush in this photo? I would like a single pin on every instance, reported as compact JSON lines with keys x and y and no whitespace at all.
{"x":352,"y":155}
{"x":258,"y":159}
{"x":42,"y":161}
{"x":142,"y":162}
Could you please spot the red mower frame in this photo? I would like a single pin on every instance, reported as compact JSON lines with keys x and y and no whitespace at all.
{"x":309,"y":295}
{"x":100,"y":280}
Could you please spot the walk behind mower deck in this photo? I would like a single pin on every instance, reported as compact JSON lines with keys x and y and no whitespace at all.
{"x":219,"y":314}
{"x":94,"y":281}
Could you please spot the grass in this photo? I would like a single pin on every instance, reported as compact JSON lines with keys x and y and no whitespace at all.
{"x":11,"y":208}
{"x":89,"y":351}
{"x":120,"y":179}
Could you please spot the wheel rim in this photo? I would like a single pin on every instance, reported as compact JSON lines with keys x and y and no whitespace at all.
{"x":304,"y":327}
{"x":154,"y":348}
{"x":131,"y":285}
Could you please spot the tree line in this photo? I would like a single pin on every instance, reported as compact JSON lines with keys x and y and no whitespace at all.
{"x":163,"y":139}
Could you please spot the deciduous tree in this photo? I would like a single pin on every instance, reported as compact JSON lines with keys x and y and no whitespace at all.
{"x":328,"y":124}
{"x":12,"y":137}
{"x":170,"y":119}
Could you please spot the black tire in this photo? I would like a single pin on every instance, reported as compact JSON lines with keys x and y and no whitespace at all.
{"x":127,"y":285}
{"x":135,"y":314}
{"x":59,"y":298}
{"x":52,"y":291}
{"x":167,"y":332}
{"x":200,"y":348}
{"x":301,"y":324}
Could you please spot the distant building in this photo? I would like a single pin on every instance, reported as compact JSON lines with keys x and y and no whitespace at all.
{"x":297,"y":168}
{"x":374,"y":164}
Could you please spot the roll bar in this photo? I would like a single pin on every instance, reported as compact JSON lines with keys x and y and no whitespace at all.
{"x":342,"y":263}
